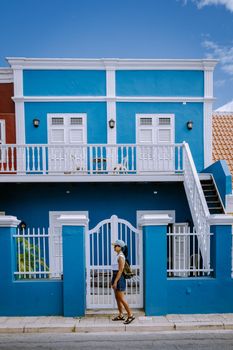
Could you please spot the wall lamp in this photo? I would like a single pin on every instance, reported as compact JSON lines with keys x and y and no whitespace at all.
{"x":36,"y":122}
{"x":22,"y":226}
{"x":111,"y":123}
{"x":190,"y":125}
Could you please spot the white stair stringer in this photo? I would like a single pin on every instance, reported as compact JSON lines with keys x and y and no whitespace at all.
{"x":197,"y":203}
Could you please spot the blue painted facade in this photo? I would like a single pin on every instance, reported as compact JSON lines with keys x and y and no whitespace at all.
{"x":64,"y":83}
{"x":96,"y":119}
{"x":32,"y":202}
{"x":159,"y":83}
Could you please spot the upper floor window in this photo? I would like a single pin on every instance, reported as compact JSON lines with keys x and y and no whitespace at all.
{"x":68,"y":128}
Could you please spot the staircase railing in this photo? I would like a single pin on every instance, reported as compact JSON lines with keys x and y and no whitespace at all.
{"x":198,"y":206}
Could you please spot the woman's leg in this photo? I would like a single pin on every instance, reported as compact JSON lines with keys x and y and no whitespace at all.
{"x":119,"y":304}
{"x":121,"y":298}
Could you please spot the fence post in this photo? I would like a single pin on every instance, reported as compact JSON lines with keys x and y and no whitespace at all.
{"x":74,"y":277}
{"x":8,"y":226}
{"x":155,"y":262}
{"x":221,"y":248}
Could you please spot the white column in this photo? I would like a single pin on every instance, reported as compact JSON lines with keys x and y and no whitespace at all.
{"x":207,"y":115}
{"x":19,"y":106}
{"x":111,"y":104}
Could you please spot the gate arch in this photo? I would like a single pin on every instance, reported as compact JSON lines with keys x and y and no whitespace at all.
{"x":99,"y":255}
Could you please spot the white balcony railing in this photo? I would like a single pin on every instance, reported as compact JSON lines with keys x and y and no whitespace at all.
{"x":90,"y":159}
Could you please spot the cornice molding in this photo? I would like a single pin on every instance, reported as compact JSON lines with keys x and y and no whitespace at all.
{"x":6,"y":75}
{"x":8,"y":221}
{"x":73,"y":220}
{"x":111,"y":63}
{"x":180,"y":99}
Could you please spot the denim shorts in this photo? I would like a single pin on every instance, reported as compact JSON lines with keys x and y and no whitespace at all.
{"x":121,"y":284}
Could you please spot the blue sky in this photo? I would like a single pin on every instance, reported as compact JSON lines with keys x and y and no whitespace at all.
{"x":124,"y":29}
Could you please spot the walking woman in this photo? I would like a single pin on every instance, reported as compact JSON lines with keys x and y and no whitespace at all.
{"x":119,"y":282}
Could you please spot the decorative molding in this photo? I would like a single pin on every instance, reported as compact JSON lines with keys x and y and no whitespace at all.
{"x":6,"y":75}
{"x":111,"y":104}
{"x":207,"y":135}
{"x":111,"y":63}
{"x":220,"y":219}
{"x":19,"y":106}
{"x":73,"y":220}
{"x":20,"y":98}
{"x":154,"y":220}
{"x":8,"y":221}
{"x":11,"y":178}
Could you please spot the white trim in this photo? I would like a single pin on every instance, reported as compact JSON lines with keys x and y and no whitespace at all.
{"x":207,"y":134}
{"x":155,"y":220}
{"x":9,"y":221}
{"x":220,"y":219}
{"x":229,"y":203}
{"x":73,"y":220}
{"x":3,"y":130}
{"x":207,"y":115}
{"x":111,"y":104}
{"x":208,"y":83}
{"x":11,"y":178}
{"x":19,"y":106}
{"x":114,"y":63}
{"x":170,"y":213}
{"x":181,"y":99}
{"x":6,"y":75}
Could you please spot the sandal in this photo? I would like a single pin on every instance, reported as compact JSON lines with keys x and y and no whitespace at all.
{"x":118,"y":318}
{"x":129,"y":319}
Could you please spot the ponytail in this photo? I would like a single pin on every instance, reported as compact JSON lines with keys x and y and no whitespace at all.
{"x":125,"y":251}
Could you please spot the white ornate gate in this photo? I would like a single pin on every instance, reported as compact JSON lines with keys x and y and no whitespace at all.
{"x":99,"y":254}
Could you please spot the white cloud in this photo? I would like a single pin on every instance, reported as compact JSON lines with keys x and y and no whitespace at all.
{"x":223,"y":53}
{"x":202,"y":3}
{"x":219,"y":83}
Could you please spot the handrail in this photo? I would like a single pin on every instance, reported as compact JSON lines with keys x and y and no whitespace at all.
{"x":198,"y":206}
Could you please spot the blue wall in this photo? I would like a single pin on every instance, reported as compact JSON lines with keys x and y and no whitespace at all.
{"x":222,"y":177}
{"x":126,"y":124}
{"x":19,"y":298}
{"x":159,"y":83}
{"x":32,"y":202}
{"x":187,"y":295}
{"x":64,"y":82}
{"x":96,"y":119}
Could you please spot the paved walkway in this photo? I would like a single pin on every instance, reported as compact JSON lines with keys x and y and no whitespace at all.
{"x":99,"y":323}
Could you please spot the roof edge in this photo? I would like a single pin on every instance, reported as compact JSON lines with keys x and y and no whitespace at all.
{"x":110,"y":63}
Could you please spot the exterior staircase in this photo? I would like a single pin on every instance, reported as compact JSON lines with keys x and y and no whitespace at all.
{"x":212,"y":197}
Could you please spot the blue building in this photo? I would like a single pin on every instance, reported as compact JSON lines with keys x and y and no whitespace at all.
{"x":106,"y":149}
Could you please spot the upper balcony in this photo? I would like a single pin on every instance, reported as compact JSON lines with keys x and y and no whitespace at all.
{"x":128,"y":162}
{"x":91,"y":163}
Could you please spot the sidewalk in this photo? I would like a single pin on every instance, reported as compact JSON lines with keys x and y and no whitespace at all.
{"x":99,"y":323}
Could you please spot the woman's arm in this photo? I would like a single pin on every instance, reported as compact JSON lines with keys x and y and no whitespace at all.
{"x":121,"y":264}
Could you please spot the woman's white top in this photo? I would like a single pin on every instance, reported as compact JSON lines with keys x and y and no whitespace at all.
{"x":115,"y":265}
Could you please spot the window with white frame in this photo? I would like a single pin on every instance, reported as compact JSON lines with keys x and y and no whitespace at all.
{"x":2,"y":139}
{"x":67,"y":128}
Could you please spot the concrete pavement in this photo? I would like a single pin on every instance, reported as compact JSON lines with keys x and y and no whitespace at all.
{"x":103,"y":323}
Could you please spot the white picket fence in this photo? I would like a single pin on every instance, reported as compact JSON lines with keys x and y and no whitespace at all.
{"x":184,"y":254}
{"x":34,"y":254}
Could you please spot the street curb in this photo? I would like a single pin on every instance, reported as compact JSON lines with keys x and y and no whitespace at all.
{"x":194,"y":326}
